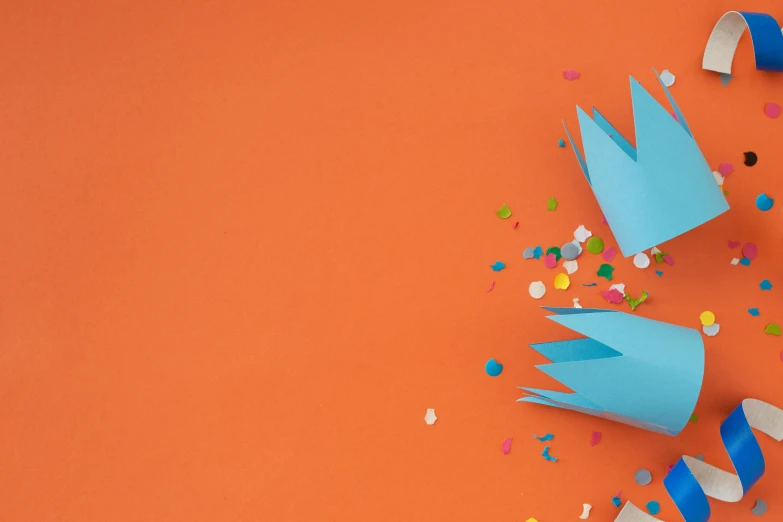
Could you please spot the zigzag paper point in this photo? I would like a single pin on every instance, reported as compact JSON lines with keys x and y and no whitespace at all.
{"x":664,"y":178}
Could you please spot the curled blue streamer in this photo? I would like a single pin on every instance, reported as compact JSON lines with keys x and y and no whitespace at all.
{"x":691,"y":481}
{"x":765,"y":34}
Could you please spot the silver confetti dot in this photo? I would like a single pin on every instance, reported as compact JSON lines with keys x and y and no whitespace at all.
{"x":760,"y":508}
{"x":642,"y":477}
{"x":569,"y":251}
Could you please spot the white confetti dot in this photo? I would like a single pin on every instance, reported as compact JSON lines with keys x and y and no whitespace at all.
{"x":430,"y":417}
{"x":655,"y":250}
{"x":537,"y":289}
{"x":571,"y":266}
{"x":581,"y":234}
{"x":576,"y":303}
{"x":576,"y":242}
{"x":585,"y":511}
{"x":735,"y":261}
{"x":667,"y":78}
{"x":718,"y":177}
{"x":711,"y":330}
{"x":620,"y":287}
{"x":641,"y":260}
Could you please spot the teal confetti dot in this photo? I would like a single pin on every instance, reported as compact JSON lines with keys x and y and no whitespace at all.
{"x":498,"y":266}
{"x":616,"y":501}
{"x":764,"y":202}
{"x":765,"y":285}
{"x":660,"y":274}
{"x":538,"y":252}
{"x":745,"y":261}
{"x":753,"y":311}
{"x":493,"y":368}
{"x":653,"y":507}
{"x":561,"y":143}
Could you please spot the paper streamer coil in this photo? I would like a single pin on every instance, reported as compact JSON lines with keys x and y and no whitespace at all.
{"x":765,"y":34}
{"x":691,"y":481}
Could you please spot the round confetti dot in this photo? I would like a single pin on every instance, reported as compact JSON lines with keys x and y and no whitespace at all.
{"x":764,"y":202}
{"x":750,"y":158}
{"x":750,"y":251}
{"x":653,"y":507}
{"x":642,"y":477}
{"x":725,"y":168}
{"x":772,"y":110}
{"x":760,"y":508}
{"x":641,"y":260}
{"x":493,"y":368}
{"x":595,"y":245}
{"x":536,"y":289}
{"x":569,"y":251}
{"x":712,"y":330}
{"x":562,"y":282}
{"x":707,"y":318}
{"x":550,"y":260}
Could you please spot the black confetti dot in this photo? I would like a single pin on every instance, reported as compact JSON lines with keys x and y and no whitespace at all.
{"x":750,"y":158}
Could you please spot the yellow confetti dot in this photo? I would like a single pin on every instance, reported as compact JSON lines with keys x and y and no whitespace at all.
{"x":707,"y":318}
{"x":532,"y":520}
{"x":562,"y":281}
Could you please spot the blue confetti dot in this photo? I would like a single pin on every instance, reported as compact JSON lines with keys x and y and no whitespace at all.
{"x":538,"y":252}
{"x":764,"y":202}
{"x":745,"y":261}
{"x":561,"y":143}
{"x":753,"y":311}
{"x":616,"y":501}
{"x":765,"y":285}
{"x":498,"y":266}
{"x":653,"y":507}
{"x":493,"y":368}
{"x":660,"y":274}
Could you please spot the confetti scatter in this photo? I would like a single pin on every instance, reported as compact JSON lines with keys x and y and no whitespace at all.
{"x":570,"y":75}
{"x":725,"y":168}
{"x":641,"y":260}
{"x":772,"y":329}
{"x":605,"y":271}
{"x":750,"y":158}
{"x":734,"y":244}
{"x":609,"y":254}
{"x":765,"y":285}
{"x":707,"y":318}
{"x":491,"y":286}
{"x":642,"y":477}
{"x":760,"y":508}
{"x":569,"y":251}
{"x":497,"y":266}
{"x":562,"y":282}
{"x":550,"y":260}
{"x":750,"y":251}
{"x":636,"y":302}
{"x":612,"y":296}
{"x":571,"y":266}
{"x":653,"y":507}
{"x":711,"y":330}
{"x":772,"y":110}
{"x":581,"y":234}
{"x":667,"y":78}
{"x":504,"y":212}
{"x":595,"y":245}
{"x":595,"y":438}
{"x":551,"y":204}
{"x":764,"y":202}
{"x":536,"y":289}
{"x":430,"y":417}
{"x":585,"y":511}
{"x":725,"y":78}
{"x":545,"y":438}
{"x":753,"y":311}
{"x":616,"y":501}
{"x":506,"y":446}
{"x":547,"y":456}
{"x":493,"y":368}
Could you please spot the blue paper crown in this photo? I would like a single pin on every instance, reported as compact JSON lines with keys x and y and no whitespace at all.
{"x":629,"y":369}
{"x":656,"y":191}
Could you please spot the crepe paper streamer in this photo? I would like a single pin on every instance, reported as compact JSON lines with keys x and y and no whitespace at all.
{"x":536,"y":289}
{"x":653,"y":507}
{"x":581,"y":234}
{"x":641,"y":260}
{"x":547,"y":456}
{"x":595,"y":245}
{"x":551,"y":204}
{"x":506,"y":446}
{"x":636,"y":302}
{"x":665,"y":171}
{"x":430,"y":416}
{"x":550,"y":260}
{"x":571,"y":266}
{"x":605,"y":271}
{"x":545,"y":438}
{"x":569,"y":251}
{"x":609,"y":254}
{"x":585,"y":511}
{"x":764,"y":202}
{"x":734,"y":244}
{"x":491,"y":286}
{"x":750,"y":251}
{"x":497,"y":266}
{"x":750,"y":158}
{"x":493,"y":368}
{"x":744,"y":261}
{"x":772,"y":329}
{"x":659,"y":273}
{"x":725,"y":79}
{"x":504,"y":212}
{"x":616,"y":501}
{"x":596,"y":438}
{"x":765,"y":35}
{"x":707,"y":318}
{"x":725,"y":168}
{"x":772,"y":110}
{"x":711,"y":330}
{"x":562,"y":282}
{"x":570,"y":74}
{"x":765,"y":285}
{"x":554,"y":250}
{"x":612,"y":295}
{"x":642,"y":477}
{"x":619,"y":351}
{"x":667,"y":78}
{"x":753,"y":311}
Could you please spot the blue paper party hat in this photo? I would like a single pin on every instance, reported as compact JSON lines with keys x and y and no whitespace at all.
{"x":629,"y":369}
{"x":656,"y":191}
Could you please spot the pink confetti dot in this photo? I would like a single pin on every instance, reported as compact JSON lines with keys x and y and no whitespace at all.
{"x":772,"y":110}
{"x":750,"y":251}
{"x":613,"y":296}
{"x":734,"y":244}
{"x":609,"y":253}
{"x":669,"y":260}
{"x":725,"y":168}
{"x":570,"y":74}
{"x":550,"y":261}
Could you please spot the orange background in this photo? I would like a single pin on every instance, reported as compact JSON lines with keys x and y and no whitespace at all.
{"x":245,"y":245}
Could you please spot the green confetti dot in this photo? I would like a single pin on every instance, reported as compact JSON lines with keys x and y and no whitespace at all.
{"x":556,"y":251}
{"x":551,"y":204}
{"x":606,"y":271}
{"x":636,"y":302}
{"x":504,"y":212}
{"x":694,"y":418}
{"x":772,"y":329}
{"x":595,"y":245}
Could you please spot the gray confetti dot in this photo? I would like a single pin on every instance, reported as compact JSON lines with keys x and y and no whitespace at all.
{"x":699,"y":457}
{"x":569,"y":251}
{"x":642,"y":477}
{"x":760,"y":508}
{"x":529,"y":253}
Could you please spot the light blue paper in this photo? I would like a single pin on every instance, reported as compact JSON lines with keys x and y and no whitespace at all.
{"x":656,"y":191}
{"x":629,"y":369}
